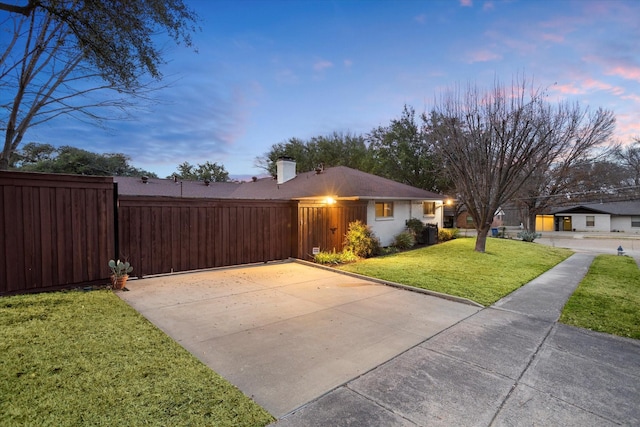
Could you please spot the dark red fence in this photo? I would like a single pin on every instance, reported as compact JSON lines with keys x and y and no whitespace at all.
{"x":163,"y":235}
{"x":57,"y":230}
{"x":324,"y":226}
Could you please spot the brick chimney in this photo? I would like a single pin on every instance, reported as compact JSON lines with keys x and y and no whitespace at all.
{"x":286,"y":169}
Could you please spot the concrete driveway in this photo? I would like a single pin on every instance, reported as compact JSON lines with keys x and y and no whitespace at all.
{"x":287,"y":333}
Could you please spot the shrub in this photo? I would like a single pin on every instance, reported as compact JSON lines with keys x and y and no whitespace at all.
{"x":390,"y":250}
{"x":404,"y":240}
{"x":528,"y":236}
{"x":416,"y":227}
{"x":445,"y":234}
{"x":361,"y":241}
{"x":327,"y":257}
{"x":335,"y":257}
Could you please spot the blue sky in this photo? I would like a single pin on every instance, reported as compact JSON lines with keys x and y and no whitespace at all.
{"x":267,"y":71}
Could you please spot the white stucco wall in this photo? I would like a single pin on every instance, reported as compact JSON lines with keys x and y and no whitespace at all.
{"x":387,"y":228}
{"x":579,"y":222}
{"x":623,"y":223}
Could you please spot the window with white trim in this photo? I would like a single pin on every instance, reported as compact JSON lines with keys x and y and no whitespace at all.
{"x":635,"y":221}
{"x":591,"y":221}
{"x":384,"y":209}
{"x":428,"y":208}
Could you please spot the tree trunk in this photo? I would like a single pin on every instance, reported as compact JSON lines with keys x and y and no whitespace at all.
{"x":532,"y":221}
{"x":481,"y":239}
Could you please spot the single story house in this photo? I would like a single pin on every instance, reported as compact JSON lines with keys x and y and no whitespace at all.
{"x":333,"y":196}
{"x":608,"y":216}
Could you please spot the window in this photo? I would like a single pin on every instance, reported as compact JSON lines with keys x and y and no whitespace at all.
{"x":635,"y":221}
{"x":591,"y":221}
{"x":469,"y":220}
{"x":429,"y":208}
{"x":384,"y":209}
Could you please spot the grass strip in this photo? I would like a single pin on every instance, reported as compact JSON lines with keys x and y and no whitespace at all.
{"x":87,"y":358}
{"x":456,"y":269}
{"x":608,"y":298}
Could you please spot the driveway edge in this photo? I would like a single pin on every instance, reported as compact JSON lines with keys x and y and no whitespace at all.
{"x":392,"y":284}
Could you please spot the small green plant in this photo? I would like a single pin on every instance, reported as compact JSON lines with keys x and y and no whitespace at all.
{"x":404,"y":240}
{"x":120,"y":269}
{"x":361,"y":241}
{"x":389,"y":250}
{"x":528,"y":236}
{"x":446,"y":234}
{"x":416,"y":227}
{"x":334,"y":257}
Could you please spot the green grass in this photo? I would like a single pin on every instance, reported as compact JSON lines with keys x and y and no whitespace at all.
{"x":455,"y":268}
{"x":87,"y":358}
{"x":608,"y":298}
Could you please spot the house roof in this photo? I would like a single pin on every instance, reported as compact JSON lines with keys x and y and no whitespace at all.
{"x":340,"y":182}
{"x":630,"y":207}
{"x":133,"y":186}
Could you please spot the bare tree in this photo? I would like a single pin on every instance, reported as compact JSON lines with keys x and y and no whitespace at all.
{"x":77,"y":57}
{"x":575,"y":152}
{"x":493,"y":142}
{"x":629,"y":159}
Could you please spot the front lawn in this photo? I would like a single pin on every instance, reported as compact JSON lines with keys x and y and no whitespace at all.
{"x":87,"y":358}
{"x":454,"y":268}
{"x":608,"y":298}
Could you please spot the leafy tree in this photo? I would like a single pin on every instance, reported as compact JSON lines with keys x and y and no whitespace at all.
{"x":403,"y":151}
{"x":36,"y":157}
{"x":202,"y":172}
{"x":493,"y":142}
{"x":77,"y":57}
{"x":337,"y":149}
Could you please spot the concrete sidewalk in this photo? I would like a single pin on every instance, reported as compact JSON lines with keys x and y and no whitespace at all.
{"x":509,"y":364}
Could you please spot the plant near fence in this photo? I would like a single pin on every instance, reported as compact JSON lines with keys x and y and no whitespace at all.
{"x":119,"y":273}
{"x":361,"y":241}
{"x":335,"y":258}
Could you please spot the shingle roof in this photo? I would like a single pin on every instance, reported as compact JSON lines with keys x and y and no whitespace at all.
{"x":339,"y":181}
{"x":133,"y":186}
{"x":630,"y":207}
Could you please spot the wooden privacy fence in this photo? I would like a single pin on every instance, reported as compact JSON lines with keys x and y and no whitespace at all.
{"x":57,"y":230}
{"x":163,"y":235}
{"x":324,"y":226}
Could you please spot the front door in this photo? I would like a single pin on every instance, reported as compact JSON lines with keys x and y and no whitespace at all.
{"x":566,"y":223}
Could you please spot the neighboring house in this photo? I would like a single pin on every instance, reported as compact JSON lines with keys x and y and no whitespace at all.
{"x":609,"y":216}
{"x":330,"y":197}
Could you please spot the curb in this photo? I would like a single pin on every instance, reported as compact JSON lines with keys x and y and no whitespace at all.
{"x":391,"y":284}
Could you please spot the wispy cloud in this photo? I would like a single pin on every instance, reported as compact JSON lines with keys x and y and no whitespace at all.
{"x":488,"y":5}
{"x":627,"y":72}
{"x":466,"y":3}
{"x":347,"y":63}
{"x":322,"y":65}
{"x":587,"y":85}
{"x":420,"y":19}
{"x":482,"y":55}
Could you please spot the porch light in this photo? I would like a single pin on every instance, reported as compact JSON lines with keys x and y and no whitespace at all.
{"x":330,"y":200}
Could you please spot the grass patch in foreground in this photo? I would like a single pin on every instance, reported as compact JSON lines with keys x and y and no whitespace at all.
{"x":456,"y":269}
{"x":608,"y":298}
{"x":87,"y":358}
